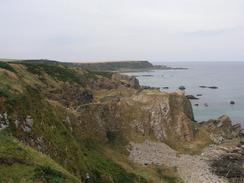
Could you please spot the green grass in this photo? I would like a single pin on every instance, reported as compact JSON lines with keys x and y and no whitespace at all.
{"x":58,"y":72}
{"x":20,"y":163}
{"x":101,"y":73}
{"x":115,"y":66}
{"x":6,"y":66}
{"x":65,"y":73}
{"x":77,"y":157}
{"x":67,"y":153}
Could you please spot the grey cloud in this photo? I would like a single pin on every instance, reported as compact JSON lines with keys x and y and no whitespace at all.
{"x":122,"y":29}
{"x":213,"y":32}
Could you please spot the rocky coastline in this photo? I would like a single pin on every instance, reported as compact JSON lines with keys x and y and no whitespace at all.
{"x":78,"y":121}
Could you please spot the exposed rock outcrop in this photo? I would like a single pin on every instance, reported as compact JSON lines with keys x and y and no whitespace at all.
{"x":4,"y":121}
{"x":230,"y":165}
{"x":130,"y":81}
{"x":221,"y":129}
{"x":71,"y":95}
{"x":162,"y":116}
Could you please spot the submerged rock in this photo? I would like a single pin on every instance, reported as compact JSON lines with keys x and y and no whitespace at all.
{"x":192,"y":97}
{"x":213,"y":87}
{"x":165,"y":88}
{"x":182,"y":88}
{"x":205,"y":104}
{"x":147,"y":75}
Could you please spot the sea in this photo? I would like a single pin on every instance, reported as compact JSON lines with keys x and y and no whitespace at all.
{"x":228,"y":77}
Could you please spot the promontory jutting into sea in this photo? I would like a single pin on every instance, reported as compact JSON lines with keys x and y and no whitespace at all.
{"x":222,"y":94}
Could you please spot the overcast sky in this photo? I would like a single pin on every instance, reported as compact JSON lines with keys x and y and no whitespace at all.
{"x":94,"y":30}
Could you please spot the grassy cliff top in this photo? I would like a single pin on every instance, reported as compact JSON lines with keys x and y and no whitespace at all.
{"x":116,"y":66}
{"x":95,"y":66}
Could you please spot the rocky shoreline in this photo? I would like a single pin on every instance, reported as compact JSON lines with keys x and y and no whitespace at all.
{"x":192,"y":169}
{"x":220,"y":162}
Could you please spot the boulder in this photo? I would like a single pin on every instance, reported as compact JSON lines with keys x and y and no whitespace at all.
{"x":29,"y":121}
{"x":27,"y":124}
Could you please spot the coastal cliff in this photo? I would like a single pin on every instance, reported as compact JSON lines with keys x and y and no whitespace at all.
{"x":147,"y":114}
{"x":58,"y":123}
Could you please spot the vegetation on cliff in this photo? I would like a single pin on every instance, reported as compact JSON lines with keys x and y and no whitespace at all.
{"x":59,"y":122}
{"x":39,"y":113}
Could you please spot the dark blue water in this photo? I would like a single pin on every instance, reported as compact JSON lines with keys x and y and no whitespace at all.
{"x":227,"y":76}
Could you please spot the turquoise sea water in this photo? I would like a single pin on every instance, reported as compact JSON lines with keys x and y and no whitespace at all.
{"x":227,"y":76}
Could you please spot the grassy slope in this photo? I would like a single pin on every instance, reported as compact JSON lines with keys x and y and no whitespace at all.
{"x":20,"y":163}
{"x":21,"y":87}
{"x":75,"y":155}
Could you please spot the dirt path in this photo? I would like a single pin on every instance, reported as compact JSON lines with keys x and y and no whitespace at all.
{"x":192,"y":169}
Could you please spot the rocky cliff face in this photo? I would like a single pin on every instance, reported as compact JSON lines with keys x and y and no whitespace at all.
{"x":221,"y":129}
{"x":129,"y":81}
{"x":161,"y":116}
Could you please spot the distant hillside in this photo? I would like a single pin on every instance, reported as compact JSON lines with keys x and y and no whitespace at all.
{"x":113,"y":66}
{"x":100,"y":66}
{"x":122,"y":66}
{"x":116,"y":66}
